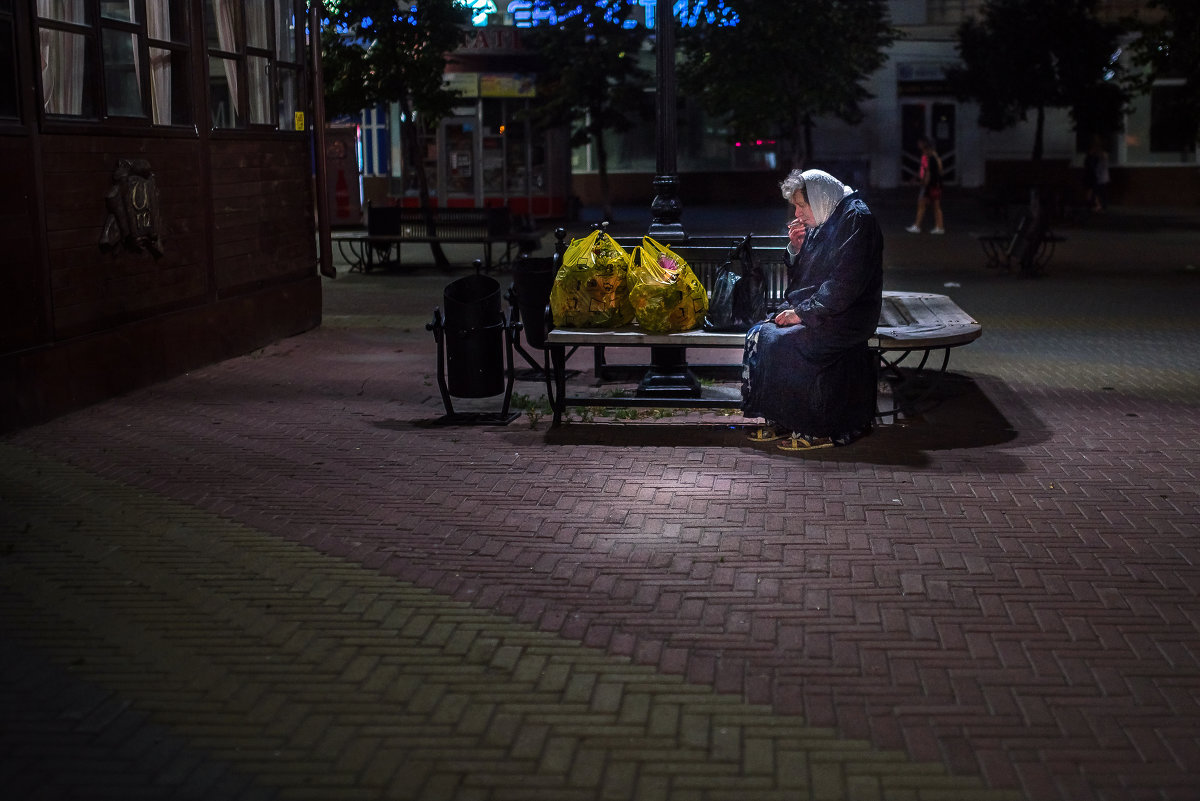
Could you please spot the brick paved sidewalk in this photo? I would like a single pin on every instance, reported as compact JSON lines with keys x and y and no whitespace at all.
{"x":272,"y":578}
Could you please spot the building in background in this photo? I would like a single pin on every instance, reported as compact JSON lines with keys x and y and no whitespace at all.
{"x":910,"y":98}
{"x":1150,"y":163}
{"x":485,"y":155}
{"x":156,"y":161}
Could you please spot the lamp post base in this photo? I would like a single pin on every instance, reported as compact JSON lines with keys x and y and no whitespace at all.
{"x":667,"y":233}
{"x":669,"y":375}
{"x":665,"y":225}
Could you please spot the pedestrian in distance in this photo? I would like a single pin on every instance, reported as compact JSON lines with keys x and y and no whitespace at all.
{"x":1096,"y":176}
{"x":930,"y":193}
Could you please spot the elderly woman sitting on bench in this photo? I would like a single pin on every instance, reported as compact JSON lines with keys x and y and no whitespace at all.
{"x":808,"y":370}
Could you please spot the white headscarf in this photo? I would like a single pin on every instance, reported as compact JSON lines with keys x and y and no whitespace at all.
{"x":824,"y":193}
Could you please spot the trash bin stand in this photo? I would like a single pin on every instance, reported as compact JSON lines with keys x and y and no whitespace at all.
{"x":501,"y":418}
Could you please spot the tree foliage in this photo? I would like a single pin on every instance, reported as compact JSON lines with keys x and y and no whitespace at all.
{"x":1169,"y":47}
{"x":1031,"y":55}
{"x":381,"y":51}
{"x":385,"y":51}
{"x":784,"y":64}
{"x":591,"y":79}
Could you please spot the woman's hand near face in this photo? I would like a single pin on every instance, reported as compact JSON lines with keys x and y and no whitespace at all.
{"x":803,"y":217}
{"x":796,"y":234}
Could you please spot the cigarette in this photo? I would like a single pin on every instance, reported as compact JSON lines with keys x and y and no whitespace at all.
{"x":794,"y":222}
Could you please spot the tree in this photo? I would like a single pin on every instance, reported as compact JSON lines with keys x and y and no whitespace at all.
{"x":1169,"y":47}
{"x":773,"y":78}
{"x":384,"y":51}
{"x":1031,"y":55}
{"x":591,"y":80}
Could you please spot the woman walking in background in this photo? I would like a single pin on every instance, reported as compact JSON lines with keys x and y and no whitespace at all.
{"x":931,"y":188}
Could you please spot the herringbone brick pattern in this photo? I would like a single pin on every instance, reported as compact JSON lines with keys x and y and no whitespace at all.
{"x":998,"y":596}
{"x":323,"y":679}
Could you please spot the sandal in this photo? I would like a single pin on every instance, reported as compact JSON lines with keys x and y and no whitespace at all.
{"x":766,"y":434}
{"x":798,"y":443}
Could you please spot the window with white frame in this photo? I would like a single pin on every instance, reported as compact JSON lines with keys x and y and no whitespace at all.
{"x":376,"y":147}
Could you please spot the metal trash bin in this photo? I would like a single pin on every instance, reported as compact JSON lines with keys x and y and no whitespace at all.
{"x":474,"y":348}
{"x":532,"y":282}
{"x":474,"y":337}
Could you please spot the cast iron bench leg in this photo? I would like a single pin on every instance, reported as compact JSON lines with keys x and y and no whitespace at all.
{"x":892,"y":367}
{"x":558,"y":399}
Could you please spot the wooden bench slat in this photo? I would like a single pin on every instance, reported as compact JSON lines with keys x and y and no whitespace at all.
{"x":919,"y":320}
{"x":632,"y":335}
{"x":909,"y":320}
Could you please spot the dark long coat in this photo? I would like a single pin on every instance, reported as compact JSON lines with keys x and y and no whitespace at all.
{"x":819,"y":378}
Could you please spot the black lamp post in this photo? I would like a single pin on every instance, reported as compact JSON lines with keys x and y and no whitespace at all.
{"x":666,"y":208}
{"x":669,"y":375}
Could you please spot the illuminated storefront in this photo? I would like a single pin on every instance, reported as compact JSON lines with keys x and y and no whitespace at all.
{"x":485,"y":153}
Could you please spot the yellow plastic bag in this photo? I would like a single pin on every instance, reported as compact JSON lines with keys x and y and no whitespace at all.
{"x":666,"y":294}
{"x":591,"y":289}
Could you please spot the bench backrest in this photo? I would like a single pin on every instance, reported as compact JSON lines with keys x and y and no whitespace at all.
{"x":907,"y":320}
{"x":402,"y":221}
{"x":707,"y":254}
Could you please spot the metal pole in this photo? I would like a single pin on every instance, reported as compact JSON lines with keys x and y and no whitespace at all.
{"x":325,"y":246}
{"x":666,"y":209}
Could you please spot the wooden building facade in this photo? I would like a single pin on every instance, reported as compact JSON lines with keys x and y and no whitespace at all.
{"x":156,"y":192}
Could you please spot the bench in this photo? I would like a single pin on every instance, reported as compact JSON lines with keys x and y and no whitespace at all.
{"x":911,"y":325}
{"x":388,"y":227}
{"x":1029,"y":245}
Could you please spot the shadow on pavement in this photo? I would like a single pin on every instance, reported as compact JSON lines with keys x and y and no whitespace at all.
{"x":958,"y":416}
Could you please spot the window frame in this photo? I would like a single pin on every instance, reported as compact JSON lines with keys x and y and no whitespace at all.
{"x":245,"y":54}
{"x":283,"y":88}
{"x":141,"y":55}
{"x":8,"y":19}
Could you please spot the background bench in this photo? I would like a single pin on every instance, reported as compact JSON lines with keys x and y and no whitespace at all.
{"x":388,"y":227}
{"x":1028,"y":245}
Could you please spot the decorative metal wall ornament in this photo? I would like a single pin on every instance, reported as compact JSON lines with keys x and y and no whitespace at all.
{"x":132,"y":202}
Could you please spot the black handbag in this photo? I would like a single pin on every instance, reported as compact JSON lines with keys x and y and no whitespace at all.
{"x":737,"y":301}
